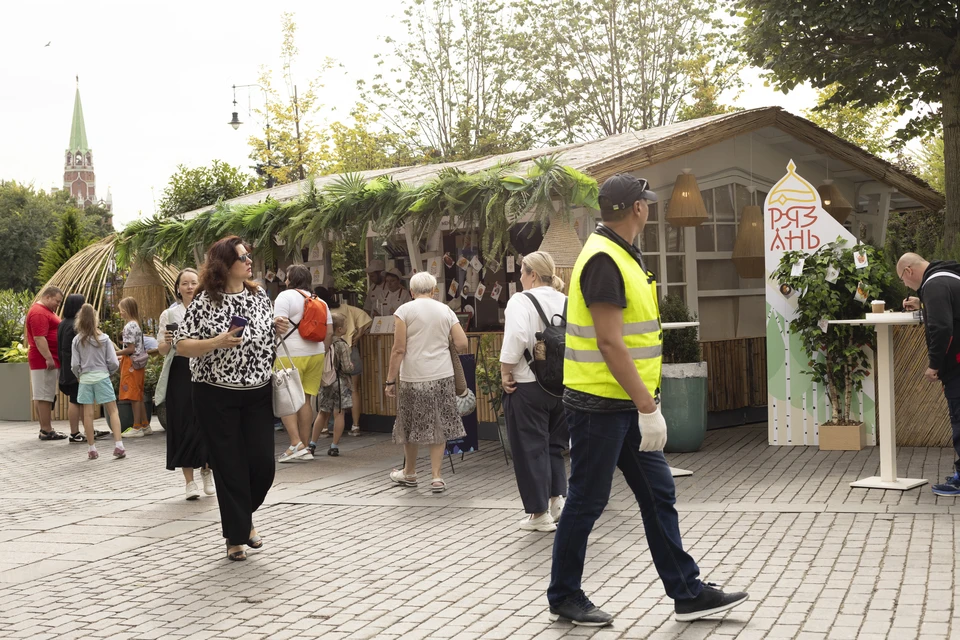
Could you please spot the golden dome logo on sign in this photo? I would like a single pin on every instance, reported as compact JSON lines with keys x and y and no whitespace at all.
{"x":793,"y":208}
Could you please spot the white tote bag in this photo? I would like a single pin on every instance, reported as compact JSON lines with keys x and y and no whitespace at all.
{"x":288,"y":394}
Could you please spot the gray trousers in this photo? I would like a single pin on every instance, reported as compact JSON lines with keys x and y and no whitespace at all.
{"x":537,"y":430}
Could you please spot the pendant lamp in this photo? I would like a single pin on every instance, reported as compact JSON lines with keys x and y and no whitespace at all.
{"x":833,"y":201}
{"x":748,"y":247}
{"x":686,"y":208}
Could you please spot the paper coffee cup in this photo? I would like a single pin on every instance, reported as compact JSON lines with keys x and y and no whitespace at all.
{"x":878,"y":306}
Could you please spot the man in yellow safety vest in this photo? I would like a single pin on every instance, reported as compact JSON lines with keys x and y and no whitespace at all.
{"x":612,"y":377}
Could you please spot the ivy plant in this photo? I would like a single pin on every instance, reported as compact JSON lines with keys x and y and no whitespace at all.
{"x":837,"y":357}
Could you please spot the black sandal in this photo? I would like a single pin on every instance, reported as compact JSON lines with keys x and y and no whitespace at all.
{"x":236,"y":556}
{"x":51,"y":435}
{"x":255,"y":542}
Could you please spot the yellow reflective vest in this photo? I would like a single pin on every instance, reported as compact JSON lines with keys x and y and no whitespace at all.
{"x":583,"y":366}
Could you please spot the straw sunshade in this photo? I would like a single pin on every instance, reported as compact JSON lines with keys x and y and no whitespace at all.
{"x":833,"y":201}
{"x":87,"y":272}
{"x":748,"y":249}
{"x":563,"y":244}
{"x":145,"y":285}
{"x":686,"y":208}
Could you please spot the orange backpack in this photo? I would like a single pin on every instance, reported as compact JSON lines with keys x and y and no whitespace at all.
{"x":313,"y":325}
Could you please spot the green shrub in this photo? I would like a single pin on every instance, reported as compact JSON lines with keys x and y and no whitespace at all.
{"x":13,"y":311}
{"x":679,"y":345}
{"x":16,"y":352}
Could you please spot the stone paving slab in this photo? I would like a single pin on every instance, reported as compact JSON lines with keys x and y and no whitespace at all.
{"x":109,"y":549}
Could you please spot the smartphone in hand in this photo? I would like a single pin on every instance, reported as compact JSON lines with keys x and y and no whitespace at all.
{"x":237,"y":322}
{"x":171,"y":327}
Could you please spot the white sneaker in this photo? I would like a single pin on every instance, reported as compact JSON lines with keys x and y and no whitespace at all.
{"x":354,"y":430}
{"x":208,"y":487}
{"x":147,"y":431}
{"x":543,"y":522}
{"x":133,"y":432}
{"x":193,"y":491}
{"x":556,"y":508}
{"x":295,"y":453}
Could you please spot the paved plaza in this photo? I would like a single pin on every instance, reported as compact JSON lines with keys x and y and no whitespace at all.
{"x":110,"y":549}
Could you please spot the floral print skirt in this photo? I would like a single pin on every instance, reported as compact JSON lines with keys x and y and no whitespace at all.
{"x":427,"y":413}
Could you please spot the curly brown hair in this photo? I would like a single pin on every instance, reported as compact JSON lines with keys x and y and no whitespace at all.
{"x":213,"y":275}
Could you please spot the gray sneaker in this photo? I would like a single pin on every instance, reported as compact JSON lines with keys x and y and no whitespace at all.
{"x":580,"y":611}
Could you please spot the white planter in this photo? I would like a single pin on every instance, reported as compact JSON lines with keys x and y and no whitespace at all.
{"x":15,"y":396}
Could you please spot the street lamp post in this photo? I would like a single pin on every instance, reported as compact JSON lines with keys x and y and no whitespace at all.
{"x":235,"y":123}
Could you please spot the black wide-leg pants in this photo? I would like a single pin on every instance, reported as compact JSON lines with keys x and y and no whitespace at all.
{"x":537,"y":431}
{"x":238,"y":427}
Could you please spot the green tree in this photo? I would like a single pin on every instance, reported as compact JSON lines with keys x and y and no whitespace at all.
{"x":449,"y":89}
{"x":192,"y":188}
{"x":868,"y":128}
{"x":877,"y":52}
{"x":930,"y":164}
{"x":365,"y":145}
{"x":71,"y":238}
{"x":595,"y":69}
{"x":28,"y":219}
{"x":297,"y":148}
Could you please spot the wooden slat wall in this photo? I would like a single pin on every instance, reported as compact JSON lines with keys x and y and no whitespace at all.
{"x":921,"y":409}
{"x":737,"y":373}
{"x":375,"y":350}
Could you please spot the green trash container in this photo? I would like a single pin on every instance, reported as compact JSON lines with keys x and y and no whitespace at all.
{"x":683,"y":402}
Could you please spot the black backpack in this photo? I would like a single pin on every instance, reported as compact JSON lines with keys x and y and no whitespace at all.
{"x":547,"y":359}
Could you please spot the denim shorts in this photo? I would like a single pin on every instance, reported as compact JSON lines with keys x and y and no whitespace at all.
{"x":96,"y":393}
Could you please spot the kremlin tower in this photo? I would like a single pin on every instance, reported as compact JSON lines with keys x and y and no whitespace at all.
{"x":78,"y":174}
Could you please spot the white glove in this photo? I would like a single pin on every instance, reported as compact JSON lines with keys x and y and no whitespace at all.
{"x":653,"y":431}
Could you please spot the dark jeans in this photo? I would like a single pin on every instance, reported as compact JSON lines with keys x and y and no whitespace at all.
{"x":600,"y":443}
{"x":952,"y":391}
{"x":537,"y":431}
{"x":237,"y":425}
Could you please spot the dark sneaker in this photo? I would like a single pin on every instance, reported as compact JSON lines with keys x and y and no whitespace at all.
{"x":949,"y":488}
{"x":710,"y":602}
{"x":100,"y":435}
{"x":580,"y":611}
{"x":77,"y":438}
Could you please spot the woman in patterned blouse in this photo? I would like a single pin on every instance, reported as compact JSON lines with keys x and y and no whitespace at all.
{"x":230,"y":368}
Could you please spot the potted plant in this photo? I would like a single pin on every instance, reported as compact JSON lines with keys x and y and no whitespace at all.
{"x":15,"y":381}
{"x":837,"y":282}
{"x":489,"y":383}
{"x":683,"y":387}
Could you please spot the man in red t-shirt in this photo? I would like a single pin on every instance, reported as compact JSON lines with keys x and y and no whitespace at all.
{"x":41,"y":325}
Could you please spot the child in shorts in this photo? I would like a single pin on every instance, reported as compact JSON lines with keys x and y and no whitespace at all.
{"x":93,"y":359}
{"x":337,"y":396}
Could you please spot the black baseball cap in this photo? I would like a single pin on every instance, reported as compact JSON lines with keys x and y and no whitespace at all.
{"x":623,"y":189}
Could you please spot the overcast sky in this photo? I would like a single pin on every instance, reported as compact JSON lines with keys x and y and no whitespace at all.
{"x":155,"y":83}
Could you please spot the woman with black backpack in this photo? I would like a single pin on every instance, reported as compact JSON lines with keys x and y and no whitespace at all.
{"x":536,"y":426}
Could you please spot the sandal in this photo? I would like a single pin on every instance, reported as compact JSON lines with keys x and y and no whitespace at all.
{"x":438,"y":485}
{"x":51,"y":435}
{"x":398,"y":476}
{"x":255,"y":542}
{"x":236,"y":556}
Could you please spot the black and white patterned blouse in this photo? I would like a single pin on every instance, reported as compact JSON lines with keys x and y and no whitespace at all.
{"x":245,"y":366}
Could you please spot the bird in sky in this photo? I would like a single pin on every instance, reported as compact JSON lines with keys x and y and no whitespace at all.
{"x":48,"y":44}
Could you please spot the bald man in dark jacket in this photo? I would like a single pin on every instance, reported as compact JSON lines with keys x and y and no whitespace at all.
{"x":938,"y":284}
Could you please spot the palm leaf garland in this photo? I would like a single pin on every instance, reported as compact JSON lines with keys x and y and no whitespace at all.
{"x":490,"y":201}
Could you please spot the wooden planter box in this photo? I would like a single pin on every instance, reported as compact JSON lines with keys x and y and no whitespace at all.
{"x":842,"y":438}
{"x":15,"y":393}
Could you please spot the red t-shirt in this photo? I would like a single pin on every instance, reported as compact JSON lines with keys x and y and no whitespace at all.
{"x":43,"y":323}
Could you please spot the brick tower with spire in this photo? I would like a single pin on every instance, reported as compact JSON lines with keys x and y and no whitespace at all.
{"x":78,"y":174}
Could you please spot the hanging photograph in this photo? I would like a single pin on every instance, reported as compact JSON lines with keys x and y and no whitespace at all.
{"x":861,"y":295}
{"x":434,"y":267}
{"x":823,"y":324}
{"x":316,"y":252}
{"x":512,"y":289}
{"x":832,"y":274}
{"x":860,"y":259}
{"x":495,"y":292}
{"x":448,"y":260}
{"x":510,"y":264}
{"x":452,"y":291}
{"x":797,"y":269}
{"x":463,"y":263}
{"x":480,"y":291}
{"x":476,"y":264}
